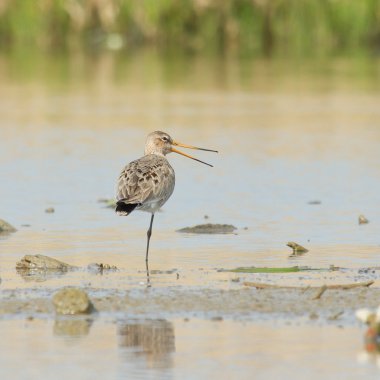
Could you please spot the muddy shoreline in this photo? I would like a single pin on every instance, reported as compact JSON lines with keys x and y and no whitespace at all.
{"x":317,"y":295}
{"x":335,"y":306}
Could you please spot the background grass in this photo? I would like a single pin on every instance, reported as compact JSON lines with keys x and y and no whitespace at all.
{"x":245,"y":26}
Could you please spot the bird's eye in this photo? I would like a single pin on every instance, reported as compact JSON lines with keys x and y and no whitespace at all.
{"x":164,"y":138}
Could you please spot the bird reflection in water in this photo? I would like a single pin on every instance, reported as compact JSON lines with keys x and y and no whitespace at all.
{"x":155,"y":339}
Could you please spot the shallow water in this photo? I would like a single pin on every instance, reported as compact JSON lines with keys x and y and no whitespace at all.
{"x":288,"y":133}
{"x":151,"y":349}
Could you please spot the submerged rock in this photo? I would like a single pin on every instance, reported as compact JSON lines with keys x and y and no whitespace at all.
{"x":297,"y":249}
{"x":71,"y":301}
{"x":95,"y":267}
{"x":41,"y":262}
{"x":363,"y":219}
{"x":5,"y":227}
{"x":209,"y":229}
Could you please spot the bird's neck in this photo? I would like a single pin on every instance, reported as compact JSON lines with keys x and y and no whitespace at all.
{"x":151,"y":151}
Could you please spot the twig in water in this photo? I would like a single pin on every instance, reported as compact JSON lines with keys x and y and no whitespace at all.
{"x":320,"y":292}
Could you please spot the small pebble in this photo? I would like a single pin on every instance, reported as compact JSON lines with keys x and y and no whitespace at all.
{"x":363,"y":219}
{"x":50,"y":210}
{"x":296,"y":247}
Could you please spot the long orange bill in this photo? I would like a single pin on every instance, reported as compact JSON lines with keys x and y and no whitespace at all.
{"x":191,"y":147}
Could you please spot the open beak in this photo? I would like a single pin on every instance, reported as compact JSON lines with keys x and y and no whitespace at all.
{"x":191,"y":147}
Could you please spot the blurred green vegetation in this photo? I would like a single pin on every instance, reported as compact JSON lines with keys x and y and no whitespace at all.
{"x":244,"y":26}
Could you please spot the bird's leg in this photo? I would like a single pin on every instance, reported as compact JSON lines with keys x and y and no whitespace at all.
{"x":149,"y":234}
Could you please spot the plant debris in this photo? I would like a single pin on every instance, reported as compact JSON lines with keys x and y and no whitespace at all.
{"x":209,"y":229}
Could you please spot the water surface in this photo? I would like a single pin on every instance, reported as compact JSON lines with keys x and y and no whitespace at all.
{"x":288,"y":133}
{"x":178,"y":349}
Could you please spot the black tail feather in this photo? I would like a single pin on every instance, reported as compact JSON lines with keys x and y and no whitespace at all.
{"x":123,"y":208}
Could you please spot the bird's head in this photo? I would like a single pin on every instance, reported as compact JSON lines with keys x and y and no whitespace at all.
{"x":161,"y":143}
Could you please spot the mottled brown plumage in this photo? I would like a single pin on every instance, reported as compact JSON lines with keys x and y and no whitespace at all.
{"x":147,"y":183}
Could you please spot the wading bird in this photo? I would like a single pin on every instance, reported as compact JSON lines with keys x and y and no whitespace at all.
{"x":147,"y":183}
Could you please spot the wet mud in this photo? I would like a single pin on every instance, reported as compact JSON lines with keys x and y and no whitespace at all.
{"x":241,"y":302}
